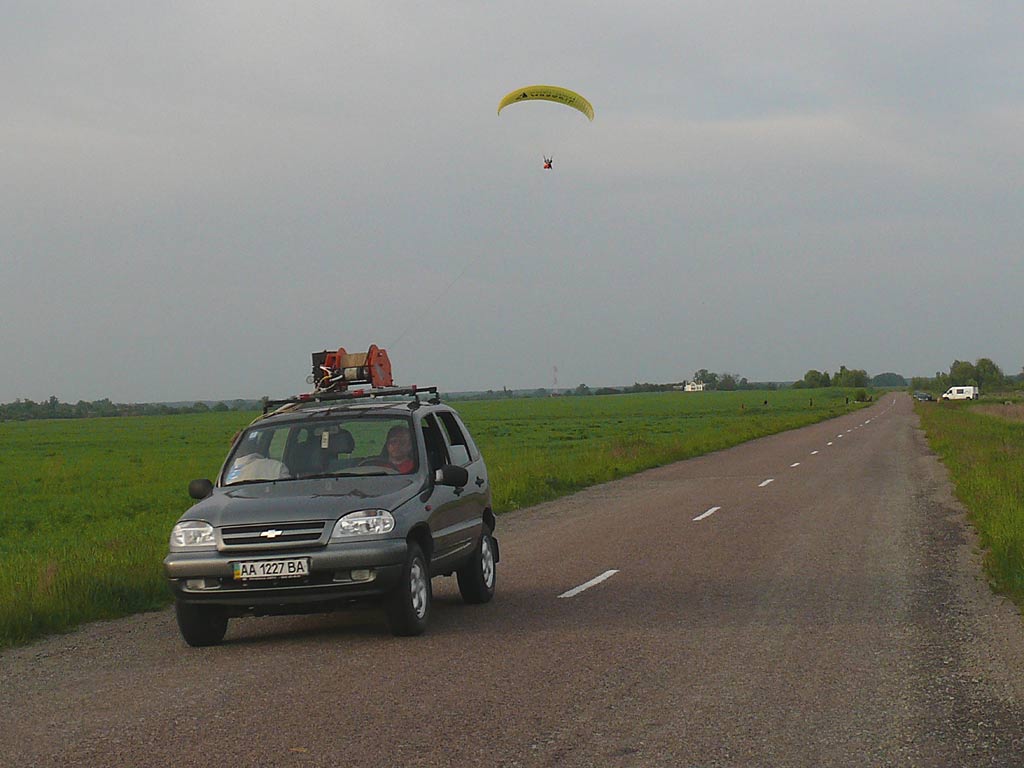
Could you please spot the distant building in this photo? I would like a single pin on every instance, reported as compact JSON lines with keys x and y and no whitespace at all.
{"x":693,"y":386}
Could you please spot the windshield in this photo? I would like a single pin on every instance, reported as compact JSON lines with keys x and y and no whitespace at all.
{"x":345,"y":445}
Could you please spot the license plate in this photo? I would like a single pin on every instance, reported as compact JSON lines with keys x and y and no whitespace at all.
{"x":291,"y":568}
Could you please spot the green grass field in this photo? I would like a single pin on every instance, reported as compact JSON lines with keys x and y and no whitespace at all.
{"x":982,"y":447}
{"x":88,"y":504}
{"x":539,"y":449}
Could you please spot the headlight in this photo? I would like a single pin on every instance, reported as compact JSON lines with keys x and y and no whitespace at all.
{"x":365,"y":522}
{"x":192,"y":534}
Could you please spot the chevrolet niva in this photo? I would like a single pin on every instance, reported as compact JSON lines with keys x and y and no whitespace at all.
{"x":332,"y":500}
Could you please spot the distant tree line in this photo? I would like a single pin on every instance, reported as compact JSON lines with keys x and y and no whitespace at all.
{"x":728,"y":382}
{"x":844,"y":377}
{"x":720,"y":381}
{"x":23,"y":410}
{"x":982,"y":373}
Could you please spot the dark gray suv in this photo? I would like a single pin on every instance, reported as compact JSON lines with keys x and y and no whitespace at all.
{"x":333,"y":500}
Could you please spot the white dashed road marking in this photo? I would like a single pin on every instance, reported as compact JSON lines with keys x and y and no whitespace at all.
{"x":814,"y":453}
{"x":765,"y":482}
{"x":795,"y":464}
{"x":706,"y":514}
{"x":596,"y":580}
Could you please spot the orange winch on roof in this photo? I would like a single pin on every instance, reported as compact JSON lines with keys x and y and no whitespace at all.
{"x":334,"y":371}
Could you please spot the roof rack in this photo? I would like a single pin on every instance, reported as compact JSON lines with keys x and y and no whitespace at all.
{"x":353,"y":394}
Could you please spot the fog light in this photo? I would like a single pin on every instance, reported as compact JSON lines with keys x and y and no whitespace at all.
{"x":201,"y":584}
{"x":363,"y":574}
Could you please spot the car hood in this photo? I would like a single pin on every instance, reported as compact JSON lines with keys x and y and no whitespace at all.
{"x":320,"y":499}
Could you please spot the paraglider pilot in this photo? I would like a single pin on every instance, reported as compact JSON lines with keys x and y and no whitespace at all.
{"x":547,"y":162}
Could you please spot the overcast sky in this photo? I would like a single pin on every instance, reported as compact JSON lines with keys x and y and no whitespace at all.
{"x":196,"y":196}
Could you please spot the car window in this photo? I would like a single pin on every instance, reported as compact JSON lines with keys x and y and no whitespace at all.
{"x":459,"y":455}
{"x":342,"y":444}
{"x":277,"y":444}
{"x":251,"y":460}
{"x":433,"y":441}
{"x":462,"y":449}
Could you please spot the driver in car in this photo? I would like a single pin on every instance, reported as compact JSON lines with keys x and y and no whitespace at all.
{"x":399,"y":450}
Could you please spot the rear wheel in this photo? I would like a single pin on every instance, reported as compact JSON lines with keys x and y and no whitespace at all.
{"x":201,"y":624}
{"x":479,"y":576}
{"x":408,"y":607}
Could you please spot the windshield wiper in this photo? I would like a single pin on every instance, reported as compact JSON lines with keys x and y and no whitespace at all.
{"x":340,"y":473}
{"x":253,"y":481}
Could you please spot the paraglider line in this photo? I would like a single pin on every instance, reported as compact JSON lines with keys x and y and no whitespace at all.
{"x":440,"y":296}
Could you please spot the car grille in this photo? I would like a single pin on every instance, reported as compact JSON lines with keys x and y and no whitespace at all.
{"x":272,"y":535}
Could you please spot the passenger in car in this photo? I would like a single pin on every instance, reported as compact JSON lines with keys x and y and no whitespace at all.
{"x":253,"y":465}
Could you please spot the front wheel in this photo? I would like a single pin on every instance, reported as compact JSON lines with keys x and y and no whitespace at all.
{"x":408,"y":607}
{"x":201,"y":624}
{"x":479,"y":576}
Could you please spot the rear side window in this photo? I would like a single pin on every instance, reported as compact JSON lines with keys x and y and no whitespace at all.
{"x":458,"y":439}
{"x":433,"y":441}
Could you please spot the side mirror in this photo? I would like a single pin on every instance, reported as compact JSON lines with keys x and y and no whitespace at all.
{"x":200,"y":489}
{"x":449,"y":474}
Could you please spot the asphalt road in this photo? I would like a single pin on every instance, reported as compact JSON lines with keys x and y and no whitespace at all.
{"x":808,"y":599}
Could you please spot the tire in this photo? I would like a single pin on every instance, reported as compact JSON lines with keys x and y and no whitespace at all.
{"x":201,"y":625}
{"x":408,"y":607}
{"x":479,"y":576}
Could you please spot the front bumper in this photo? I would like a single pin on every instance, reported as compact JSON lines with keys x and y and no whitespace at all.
{"x":338,"y":573}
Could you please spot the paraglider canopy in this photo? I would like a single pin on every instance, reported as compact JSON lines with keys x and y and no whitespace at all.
{"x":549,"y":93}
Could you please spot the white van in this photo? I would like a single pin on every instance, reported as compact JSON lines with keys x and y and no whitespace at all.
{"x":961,"y":393}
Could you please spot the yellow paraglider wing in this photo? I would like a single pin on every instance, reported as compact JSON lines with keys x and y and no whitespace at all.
{"x":549,"y":93}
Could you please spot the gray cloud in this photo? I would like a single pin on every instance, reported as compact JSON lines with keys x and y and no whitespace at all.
{"x":197,"y":196}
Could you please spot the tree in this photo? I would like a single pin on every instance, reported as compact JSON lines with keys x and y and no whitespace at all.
{"x":888,"y":380}
{"x":704,"y":376}
{"x":727,"y":382}
{"x":921,"y":383}
{"x":988,"y":374}
{"x":962,"y":373}
{"x":846,"y":377}
{"x":582,"y":389}
{"x":814,"y":379}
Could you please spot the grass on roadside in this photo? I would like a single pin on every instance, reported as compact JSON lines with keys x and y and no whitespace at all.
{"x":983,"y":450}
